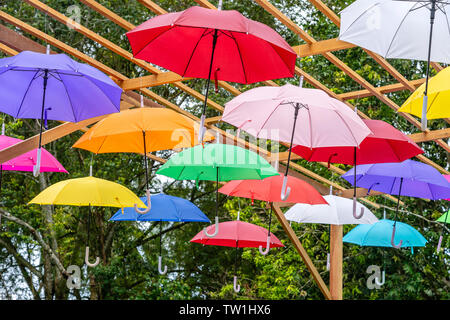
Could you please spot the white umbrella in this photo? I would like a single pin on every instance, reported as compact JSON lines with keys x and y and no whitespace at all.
{"x":338,"y":212}
{"x":400,"y":29}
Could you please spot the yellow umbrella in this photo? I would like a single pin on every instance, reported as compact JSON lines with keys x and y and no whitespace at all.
{"x":88,"y":191}
{"x":436,"y":101}
{"x":141,"y":130}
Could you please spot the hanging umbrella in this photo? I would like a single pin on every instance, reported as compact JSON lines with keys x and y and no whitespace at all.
{"x":54,"y":87}
{"x":438,"y":93}
{"x":400,"y":29}
{"x":216,"y":162}
{"x":267,"y":190}
{"x":204,"y":43}
{"x":140,"y":130}
{"x":407,"y":178}
{"x":261,"y":110}
{"x":384,"y":144}
{"x":237,"y":234}
{"x":164,"y":208}
{"x":88,"y":191}
{"x":338,"y":212}
{"x":444,"y":218}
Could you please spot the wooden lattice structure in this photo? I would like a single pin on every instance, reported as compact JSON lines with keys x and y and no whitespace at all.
{"x":12,"y":42}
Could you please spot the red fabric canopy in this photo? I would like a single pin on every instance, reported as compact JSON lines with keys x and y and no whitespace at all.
{"x":247,"y":51}
{"x":385,"y":144}
{"x":268,"y":189}
{"x":237,"y":234}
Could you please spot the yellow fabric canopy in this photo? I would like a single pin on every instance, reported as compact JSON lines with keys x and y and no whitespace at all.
{"x":124,"y":132}
{"x":438,"y":97}
{"x":88,"y":191}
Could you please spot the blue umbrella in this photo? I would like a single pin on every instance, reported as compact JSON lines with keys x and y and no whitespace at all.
{"x":163,"y":208}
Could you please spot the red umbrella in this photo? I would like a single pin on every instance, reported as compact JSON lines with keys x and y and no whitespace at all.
{"x":385,"y":144}
{"x":237,"y":49}
{"x":268,"y":190}
{"x":237,"y":234}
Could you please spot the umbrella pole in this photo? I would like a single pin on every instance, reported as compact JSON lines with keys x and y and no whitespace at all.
{"x":37,"y":166}
{"x":216,"y":223}
{"x":356,"y":216}
{"x":86,"y":257}
{"x":266,"y":251}
{"x":285,"y":191}
{"x":147,"y":190}
{"x":160,"y":270}
{"x":203,"y":116}
{"x":236,"y":286}
{"x":425,"y":97}
{"x":397,"y":246}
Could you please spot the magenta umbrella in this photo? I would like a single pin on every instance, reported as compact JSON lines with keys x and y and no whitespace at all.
{"x":26,"y":161}
{"x":273,"y":112}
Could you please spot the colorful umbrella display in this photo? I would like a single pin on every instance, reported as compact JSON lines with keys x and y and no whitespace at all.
{"x":140,"y":130}
{"x":400,"y":29}
{"x":338,"y":211}
{"x":164,"y":208}
{"x":54,"y":87}
{"x":262,"y":110}
{"x":216,"y":162}
{"x":237,"y":234}
{"x":204,"y":43}
{"x":407,"y":178}
{"x":383,"y":144}
{"x":88,"y":191}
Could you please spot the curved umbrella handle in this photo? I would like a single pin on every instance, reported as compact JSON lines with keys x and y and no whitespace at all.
{"x":383,"y":276}
{"x":201,"y":131}
{"x":159,"y":266}
{"x":37,"y":166}
{"x":439,"y":244}
{"x":266,"y":251}
{"x":397,"y":246}
{"x":236,"y":287}
{"x":216,"y":231}
{"x":424,"y":113}
{"x":285,"y":191}
{"x":149,"y":204}
{"x":359,"y":216}
{"x":86,"y":259}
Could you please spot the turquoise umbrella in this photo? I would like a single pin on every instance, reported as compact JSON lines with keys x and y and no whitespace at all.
{"x":217,"y":162}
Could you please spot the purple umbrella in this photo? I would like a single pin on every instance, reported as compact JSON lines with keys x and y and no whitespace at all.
{"x":407,"y":178}
{"x":54,"y":87}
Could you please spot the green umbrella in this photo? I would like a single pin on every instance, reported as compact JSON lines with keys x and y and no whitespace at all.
{"x":217,"y":162}
{"x":444,"y":218}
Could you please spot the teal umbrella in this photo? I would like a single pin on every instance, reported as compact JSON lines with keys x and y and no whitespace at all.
{"x":444,"y":218}
{"x":217,"y":162}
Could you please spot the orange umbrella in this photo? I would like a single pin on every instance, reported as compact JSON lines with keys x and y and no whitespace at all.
{"x":141,"y":130}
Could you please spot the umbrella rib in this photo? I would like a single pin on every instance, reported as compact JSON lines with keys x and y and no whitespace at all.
{"x":396,"y":31}
{"x":107,"y":96}
{"x":193,"y":51}
{"x":363,"y":13}
{"x":70,"y":100}
{"x":265,"y":122}
{"x":240,"y":56}
{"x":25,"y":94}
{"x":345,"y":123}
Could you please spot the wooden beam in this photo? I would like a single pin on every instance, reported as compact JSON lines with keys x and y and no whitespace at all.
{"x":151,"y":81}
{"x":430,"y":135}
{"x":213,"y":120}
{"x":336,"y":249}
{"x":303,"y":254}
{"x":320,"y":47}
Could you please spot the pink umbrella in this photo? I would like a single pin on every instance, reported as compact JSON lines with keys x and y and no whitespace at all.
{"x":272,"y":113}
{"x":26,"y":161}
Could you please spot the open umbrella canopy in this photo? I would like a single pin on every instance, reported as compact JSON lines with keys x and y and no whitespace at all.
{"x":75,"y":91}
{"x":26,"y":161}
{"x":243,"y":50}
{"x":379,"y":234}
{"x":383,"y":144}
{"x":162,"y":128}
{"x":238,"y":234}
{"x":438,"y":97}
{"x":88,"y":191}
{"x":445,"y":217}
{"x":216,"y":162}
{"x":268,"y":190}
{"x":416,"y":179}
{"x":164,"y":208}
{"x":338,"y":211}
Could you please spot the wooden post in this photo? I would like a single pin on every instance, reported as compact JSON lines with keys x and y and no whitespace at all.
{"x":336,"y":262}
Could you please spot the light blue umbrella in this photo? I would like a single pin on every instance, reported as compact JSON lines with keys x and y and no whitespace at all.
{"x":163,"y":208}
{"x":379,"y":234}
